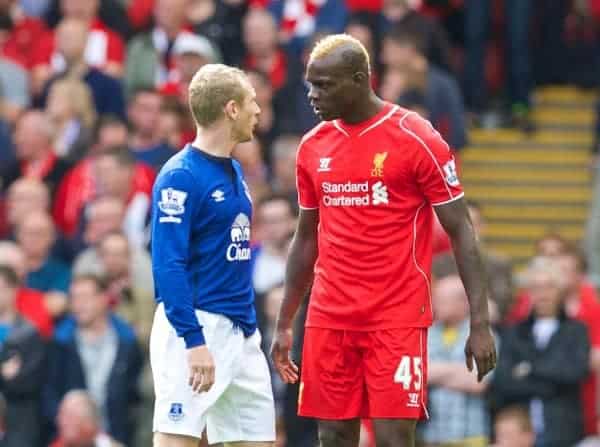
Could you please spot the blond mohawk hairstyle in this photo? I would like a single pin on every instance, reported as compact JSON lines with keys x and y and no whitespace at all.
{"x":329,"y":44}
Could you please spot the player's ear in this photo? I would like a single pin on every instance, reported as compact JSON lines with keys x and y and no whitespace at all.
{"x":360,"y":77}
{"x":231,"y":109}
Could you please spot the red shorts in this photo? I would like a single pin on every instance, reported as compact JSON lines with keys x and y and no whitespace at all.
{"x":370,"y":374}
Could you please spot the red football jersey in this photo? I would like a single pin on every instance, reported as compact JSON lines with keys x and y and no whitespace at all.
{"x":374,"y":184}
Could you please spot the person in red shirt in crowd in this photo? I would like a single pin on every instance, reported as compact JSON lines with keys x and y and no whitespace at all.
{"x":104,"y":50}
{"x":264,"y":54}
{"x":78,"y":423}
{"x":35,"y":156}
{"x":21,"y":40}
{"x":30,"y":303}
{"x":370,"y":177}
{"x":582,"y":303}
{"x":80,"y":185}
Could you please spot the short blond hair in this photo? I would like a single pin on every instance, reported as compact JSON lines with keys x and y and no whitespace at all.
{"x":211,"y":88}
{"x":80,"y":99}
{"x":329,"y":44}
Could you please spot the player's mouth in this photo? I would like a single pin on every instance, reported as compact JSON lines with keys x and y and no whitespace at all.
{"x":319,"y":110}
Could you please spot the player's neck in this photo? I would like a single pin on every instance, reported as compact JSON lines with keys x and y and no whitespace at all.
{"x":215,"y":141}
{"x":364,"y":111}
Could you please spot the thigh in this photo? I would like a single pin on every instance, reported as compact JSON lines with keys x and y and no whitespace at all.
{"x":339,"y":433}
{"x":395,"y":432}
{"x":332,"y":378}
{"x":248,"y":444}
{"x":170,"y":440}
{"x":395,"y":363}
{"x":177,"y":409}
{"x":245,"y":412}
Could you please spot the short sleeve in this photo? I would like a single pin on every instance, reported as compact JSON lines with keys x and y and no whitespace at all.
{"x":307,"y":196}
{"x":435,"y":167}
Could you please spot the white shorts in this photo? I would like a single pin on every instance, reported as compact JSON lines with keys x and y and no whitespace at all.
{"x":238,"y":407}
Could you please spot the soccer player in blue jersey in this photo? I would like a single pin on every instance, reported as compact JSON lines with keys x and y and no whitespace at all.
{"x":208,"y":368}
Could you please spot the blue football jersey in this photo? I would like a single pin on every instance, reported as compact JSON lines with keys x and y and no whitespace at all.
{"x":201,"y":256}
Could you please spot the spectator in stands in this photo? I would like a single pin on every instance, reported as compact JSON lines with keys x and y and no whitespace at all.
{"x":582,"y":304}
{"x":551,"y":244}
{"x":455,"y":398}
{"x":403,"y":15}
{"x":146,"y":143}
{"x":35,"y":156}
{"x":78,"y":423}
{"x":30,"y":303}
{"x":71,"y":108}
{"x":150,"y":55}
{"x":36,"y":235}
{"x":25,"y":195}
{"x":22,"y":367}
{"x":14,"y":90}
{"x":98,"y":352}
{"x":175,"y":125}
{"x":404,"y":52}
{"x":283,"y":70}
{"x":21,"y":33}
{"x":544,"y":360}
{"x":110,"y":171}
{"x":268,"y":126}
{"x":276,"y":220}
{"x":72,"y":36}
{"x":131,"y":299}
{"x":221,"y":22}
{"x":250,"y":156}
{"x":105,"y":215}
{"x":190,"y":53}
{"x":116,"y":176}
{"x":513,"y":428}
{"x":284,"y":164}
{"x":103,"y":49}
{"x":3,"y":410}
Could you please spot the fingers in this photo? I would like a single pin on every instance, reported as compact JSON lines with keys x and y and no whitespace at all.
{"x":286,"y":368}
{"x":288,"y":371}
{"x":485,"y":364}
{"x":469,"y":359}
{"x":202,"y":378}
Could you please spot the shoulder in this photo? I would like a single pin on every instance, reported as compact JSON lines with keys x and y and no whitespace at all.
{"x":576,"y":327}
{"x":421,"y":134}
{"x":316,"y":134}
{"x":23,"y":330}
{"x":65,"y":331}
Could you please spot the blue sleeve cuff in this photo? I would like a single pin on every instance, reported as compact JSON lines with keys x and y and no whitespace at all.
{"x":194,"y":338}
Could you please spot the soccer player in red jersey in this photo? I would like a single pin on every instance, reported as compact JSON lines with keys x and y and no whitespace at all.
{"x":370,"y":177}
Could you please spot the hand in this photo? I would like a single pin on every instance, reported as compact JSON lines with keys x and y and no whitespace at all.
{"x":280,"y":354}
{"x":11,"y":367}
{"x":521,"y":370}
{"x":481,"y":348}
{"x":202,"y":368}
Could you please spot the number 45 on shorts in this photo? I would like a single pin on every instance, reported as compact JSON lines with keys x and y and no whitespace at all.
{"x":409,"y":372}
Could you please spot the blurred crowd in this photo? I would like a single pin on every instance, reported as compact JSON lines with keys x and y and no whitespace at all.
{"x":93,"y":100}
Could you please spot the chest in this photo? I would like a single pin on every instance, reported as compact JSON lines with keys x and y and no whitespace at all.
{"x":226,"y":202}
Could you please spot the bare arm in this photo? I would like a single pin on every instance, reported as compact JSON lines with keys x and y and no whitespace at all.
{"x":299,"y":268}
{"x":298,"y":278}
{"x":480,"y":346}
{"x":453,"y":376}
{"x":455,"y":220}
